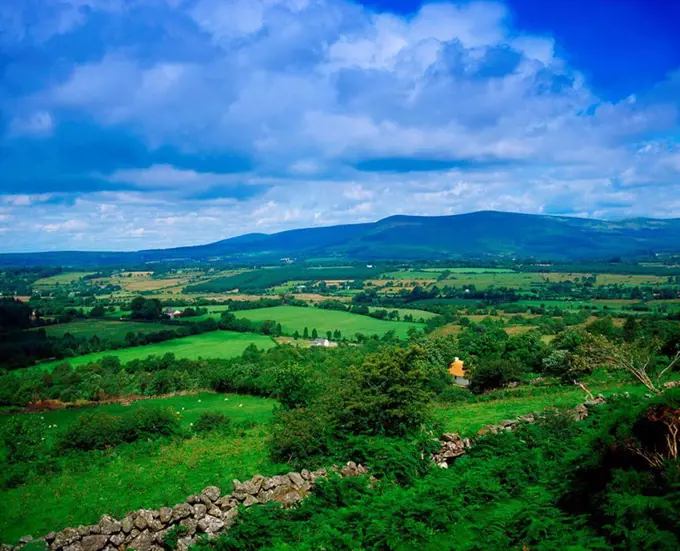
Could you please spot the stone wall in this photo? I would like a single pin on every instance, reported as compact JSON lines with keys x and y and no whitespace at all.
{"x":208,"y":513}
{"x":452,"y":446}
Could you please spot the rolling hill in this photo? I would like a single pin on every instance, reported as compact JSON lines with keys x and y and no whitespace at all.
{"x":474,"y":235}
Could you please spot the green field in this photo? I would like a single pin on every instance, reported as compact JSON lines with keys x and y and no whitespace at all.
{"x":61,"y":279}
{"x":484,"y":280}
{"x":110,"y":330}
{"x":410,"y":274}
{"x":216,"y":344}
{"x":417,"y":314}
{"x":142,"y":474}
{"x":293,"y":318}
{"x":471,"y":270}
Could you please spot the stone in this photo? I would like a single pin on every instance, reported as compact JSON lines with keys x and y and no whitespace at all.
{"x":132,"y":535}
{"x":230,"y":517}
{"x":109,"y":525}
{"x":250,"y":500}
{"x":190,"y":524}
{"x":23,"y":540}
{"x":296,"y":479}
{"x":215,"y":511}
{"x":321,"y":473}
{"x":194,"y":498}
{"x":140,"y":522}
{"x":227,"y":502}
{"x":239,"y":495}
{"x":65,"y":537}
{"x":143,"y":542}
{"x":6,"y":547}
{"x":304,"y":473}
{"x":83,"y":530}
{"x":165,"y":515}
{"x":210,"y":524}
{"x":75,"y":546}
{"x":183,"y":544}
{"x":180,"y":511}
{"x":49,"y":538}
{"x":127,"y":524}
{"x":274,"y":481}
{"x":265,"y":496}
{"x":117,"y":539}
{"x":253,"y":485}
{"x":212,"y":493}
{"x":579,"y":413}
{"x":94,"y":543}
{"x":199,"y":511}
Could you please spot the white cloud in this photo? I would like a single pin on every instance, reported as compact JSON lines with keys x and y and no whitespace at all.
{"x":67,"y":226}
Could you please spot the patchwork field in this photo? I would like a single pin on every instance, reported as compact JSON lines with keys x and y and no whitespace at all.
{"x":105,"y":329}
{"x":61,"y":279}
{"x":140,"y":475}
{"x":216,"y":344}
{"x":417,"y":314}
{"x":293,"y":318}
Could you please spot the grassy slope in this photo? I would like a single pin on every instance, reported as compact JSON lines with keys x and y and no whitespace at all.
{"x":417,"y":314}
{"x":141,"y":475}
{"x":216,"y":344}
{"x":294,"y":318}
{"x":105,"y":329}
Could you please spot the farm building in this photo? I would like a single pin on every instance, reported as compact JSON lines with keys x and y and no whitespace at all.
{"x":457,"y":371}
{"x":324,"y":342}
{"x":172,"y":313}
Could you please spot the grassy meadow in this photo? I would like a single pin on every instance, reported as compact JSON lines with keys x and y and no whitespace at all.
{"x":141,"y":474}
{"x":293,"y":318}
{"x":216,"y":344}
{"x":105,"y":329}
{"x":60,"y":279}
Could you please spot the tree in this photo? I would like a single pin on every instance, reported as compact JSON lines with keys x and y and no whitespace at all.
{"x":494,"y":374}
{"x":296,"y":335}
{"x":315,"y":335}
{"x":97,"y":312}
{"x":329,"y":335}
{"x":305,"y":333}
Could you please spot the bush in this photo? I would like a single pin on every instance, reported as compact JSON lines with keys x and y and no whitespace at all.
{"x":23,"y":438}
{"x":298,"y":435}
{"x":208,"y":422}
{"x":494,"y":374}
{"x":98,"y":431}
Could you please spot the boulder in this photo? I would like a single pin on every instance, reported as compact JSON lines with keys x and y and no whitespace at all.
{"x":94,"y":542}
{"x":180,"y":511}
{"x":226,"y":502}
{"x":199,"y":511}
{"x":165,"y":515}
{"x":183,"y":544}
{"x":304,"y":473}
{"x":23,"y":540}
{"x":265,"y":496}
{"x":117,"y":539}
{"x":132,"y":535}
{"x":143,"y":542}
{"x":75,"y":546}
{"x":190,"y":524}
{"x":83,"y":530}
{"x":212,"y":493}
{"x":194,"y":498}
{"x":296,"y":479}
{"x":66,"y":537}
{"x":210,"y":524}
{"x":109,"y":525}
{"x":49,"y":538}
{"x":127,"y":524}
{"x":229,"y":517}
{"x":250,"y":500}
{"x":253,"y":485}
{"x":215,"y":511}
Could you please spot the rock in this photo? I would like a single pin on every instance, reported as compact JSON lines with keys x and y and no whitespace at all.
{"x":165,"y":515}
{"x":210,"y":524}
{"x":109,"y":525}
{"x":296,"y":479}
{"x":240,"y":496}
{"x":180,"y":511}
{"x":306,"y":474}
{"x":528,"y":418}
{"x":143,"y":542}
{"x":140,"y":522}
{"x":23,"y":540}
{"x":190,"y":524}
{"x":321,"y":473}
{"x":265,"y":496}
{"x":227,"y":502}
{"x":183,"y":544}
{"x":127,"y":524}
{"x":147,"y":519}
{"x":94,"y":543}
{"x":579,"y":413}
{"x":230,"y":517}
{"x":250,"y":500}
{"x":75,"y":546}
{"x":117,"y":539}
{"x":194,"y":498}
{"x":215,"y":511}
{"x":83,"y":530}
{"x":274,"y":481}
{"x":65,"y":537}
{"x":132,"y":535}
{"x":199,"y":511}
{"x":49,"y":538}
{"x":253,"y":485}
{"x":212,"y":493}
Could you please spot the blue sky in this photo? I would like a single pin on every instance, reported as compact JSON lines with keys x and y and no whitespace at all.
{"x":128,"y":124}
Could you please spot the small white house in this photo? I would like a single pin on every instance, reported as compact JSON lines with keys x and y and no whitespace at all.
{"x":324,"y":342}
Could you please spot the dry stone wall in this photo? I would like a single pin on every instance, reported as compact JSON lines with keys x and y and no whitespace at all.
{"x":209,"y":513}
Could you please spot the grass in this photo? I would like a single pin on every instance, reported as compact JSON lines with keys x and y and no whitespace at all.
{"x":417,"y":314}
{"x":109,"y":330}
{"x":216,"y":344}
{"x":140,"y":475}
{"x":60,"y":279}
{"x":293,"y":318}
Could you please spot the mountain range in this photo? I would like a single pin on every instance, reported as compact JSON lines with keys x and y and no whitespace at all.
{"x":483,"y":234}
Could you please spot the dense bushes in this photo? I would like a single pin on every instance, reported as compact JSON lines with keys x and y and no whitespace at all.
{"x":210,"y":421}
{"x":97,"y":431}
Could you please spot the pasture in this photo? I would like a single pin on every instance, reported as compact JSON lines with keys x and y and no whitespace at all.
{"x":216,"y":344}
{"x":417,"y":314}
{"x":59,"y":280}
{"x":104,"y":329}
{"x":142,"y":474}
{"x":294,"y":318}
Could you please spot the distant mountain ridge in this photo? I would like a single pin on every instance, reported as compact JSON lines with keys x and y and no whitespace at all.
{"x":401,"y":237}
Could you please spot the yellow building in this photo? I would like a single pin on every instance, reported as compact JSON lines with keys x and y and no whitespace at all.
{"x":457,"y":371}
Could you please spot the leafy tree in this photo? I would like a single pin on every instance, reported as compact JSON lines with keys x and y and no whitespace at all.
{"x":305,"y":333}
{"x":315,"y":334}
{"x":492,"y":374}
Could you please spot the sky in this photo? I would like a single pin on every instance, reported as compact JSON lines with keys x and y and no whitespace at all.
{"x":132,"y":124}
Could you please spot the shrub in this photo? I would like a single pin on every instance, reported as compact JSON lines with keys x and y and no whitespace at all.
{"x":23,"y":438}
{"x":97,"y":431}
{"x":299,"y":434}
{"x":494,"y":374}
{"x":211,"y":421}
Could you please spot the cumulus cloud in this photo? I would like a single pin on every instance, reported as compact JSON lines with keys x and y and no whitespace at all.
{"x":453,"y":107}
